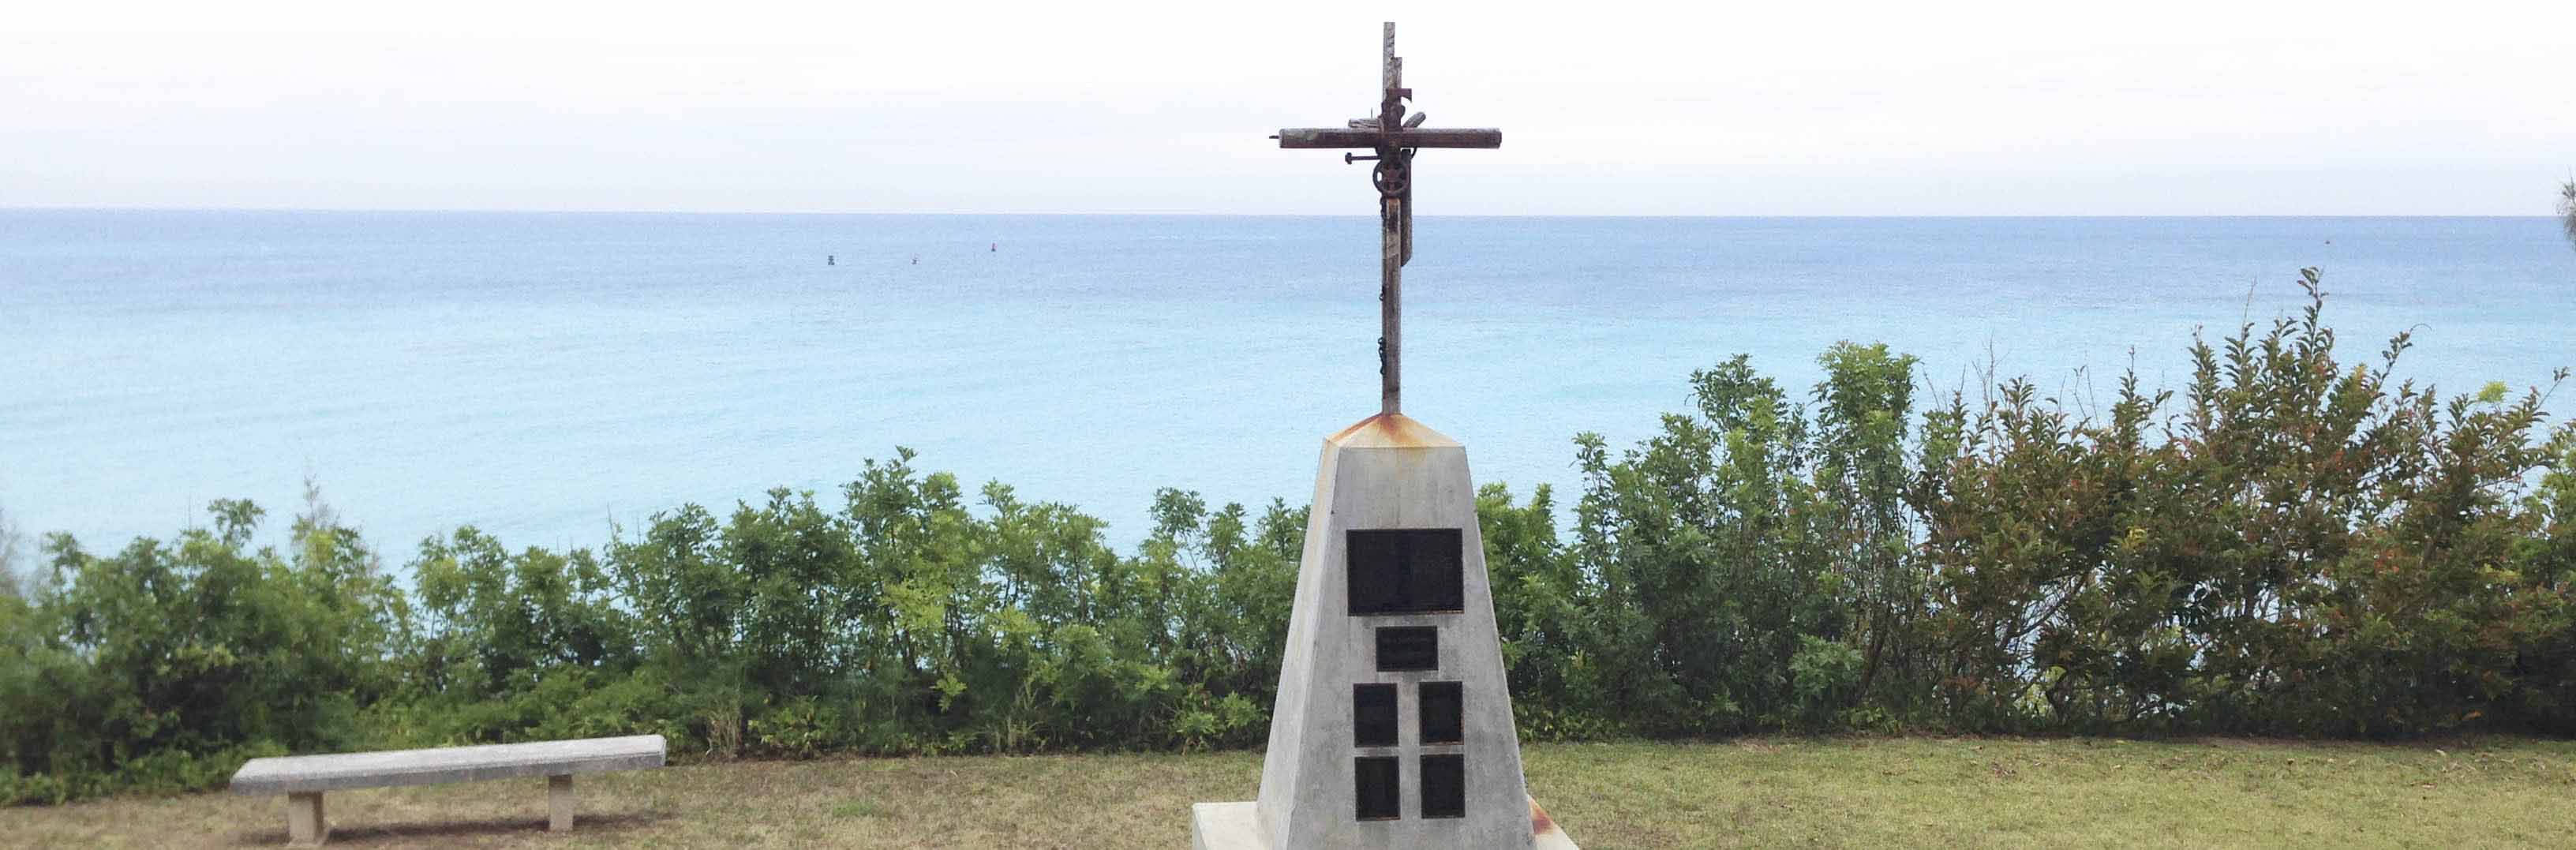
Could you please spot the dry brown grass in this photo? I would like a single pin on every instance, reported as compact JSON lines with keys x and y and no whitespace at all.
{"x":1917,"y":792}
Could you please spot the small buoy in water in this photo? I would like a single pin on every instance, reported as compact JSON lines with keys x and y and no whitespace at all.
{"x":916,"y":259}
{"x":997,"y":248}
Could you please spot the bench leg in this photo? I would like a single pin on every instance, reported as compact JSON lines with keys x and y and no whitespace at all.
{"x":559,"y":803}
{"x":305,"y":824}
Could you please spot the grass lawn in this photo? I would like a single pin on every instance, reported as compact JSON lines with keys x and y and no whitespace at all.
{"x":1858,"y":792}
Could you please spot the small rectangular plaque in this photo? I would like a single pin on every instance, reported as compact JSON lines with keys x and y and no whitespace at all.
{"x":1373,"y":715}
{"x":1373,"y":780}
{"x":1444,"y":786}
{"x":1408,"y":648}
{"x":1444,"y":712}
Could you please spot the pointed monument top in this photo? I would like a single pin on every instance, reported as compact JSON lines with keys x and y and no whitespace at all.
{"x":1390,"y":431}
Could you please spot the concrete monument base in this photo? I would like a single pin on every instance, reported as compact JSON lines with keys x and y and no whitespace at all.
{"x":1393,"y":725}
{"x":1237,"y":826}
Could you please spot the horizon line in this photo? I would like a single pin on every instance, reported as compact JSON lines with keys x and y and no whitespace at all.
{"x":7,"y":208}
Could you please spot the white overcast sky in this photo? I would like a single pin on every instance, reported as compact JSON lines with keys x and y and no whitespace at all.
{"x":1726,"y":108}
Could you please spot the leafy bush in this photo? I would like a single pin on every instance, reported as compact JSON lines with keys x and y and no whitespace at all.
{"x":164,"y":666}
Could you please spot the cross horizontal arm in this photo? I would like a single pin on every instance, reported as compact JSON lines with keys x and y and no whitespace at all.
{"x":1339,"y":137}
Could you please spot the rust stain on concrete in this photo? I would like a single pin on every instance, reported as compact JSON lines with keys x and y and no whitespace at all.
{"x":1390,"y":431}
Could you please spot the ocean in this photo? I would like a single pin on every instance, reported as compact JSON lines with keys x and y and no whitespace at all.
{"x":547,"y":377}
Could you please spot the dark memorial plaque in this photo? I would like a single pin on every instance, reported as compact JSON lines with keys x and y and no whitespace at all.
{"x":1405,"y":571}
{"x":1408,"y":648}
{"x":1444,"y":786}
{"x":1374,"y":777}
{"x":1444,"y":712}
{"x":1373,"y":715}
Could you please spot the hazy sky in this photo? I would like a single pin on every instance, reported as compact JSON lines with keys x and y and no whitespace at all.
{"x":1699,"y":108}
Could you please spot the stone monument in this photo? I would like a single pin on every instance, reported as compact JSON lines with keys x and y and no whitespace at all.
{"x":1393,"y":726}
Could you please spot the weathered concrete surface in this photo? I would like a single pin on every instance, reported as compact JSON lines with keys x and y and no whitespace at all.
{"x":305,"y":822}
{"x":296,"y":774}
{"x":559,"y":803}
{"x":1237,"y":826}
{"x":1545,"y":833}
{"x":1386,"y":472}
{"x":1226,"y":826}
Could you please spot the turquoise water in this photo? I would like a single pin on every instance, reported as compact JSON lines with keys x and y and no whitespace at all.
{"x":545,"y":375}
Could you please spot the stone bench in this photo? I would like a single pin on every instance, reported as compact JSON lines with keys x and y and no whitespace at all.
{"x":303,"y":778}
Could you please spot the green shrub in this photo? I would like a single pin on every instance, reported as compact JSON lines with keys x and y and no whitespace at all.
{"x":163,"y":667}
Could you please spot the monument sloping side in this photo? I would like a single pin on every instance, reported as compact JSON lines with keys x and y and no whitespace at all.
{"x":1393,"y":726}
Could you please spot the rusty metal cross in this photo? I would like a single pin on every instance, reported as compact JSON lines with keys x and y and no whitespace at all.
{"x":1394,"y":137}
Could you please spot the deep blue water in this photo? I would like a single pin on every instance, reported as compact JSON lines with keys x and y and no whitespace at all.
{"x":542,"y":375}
